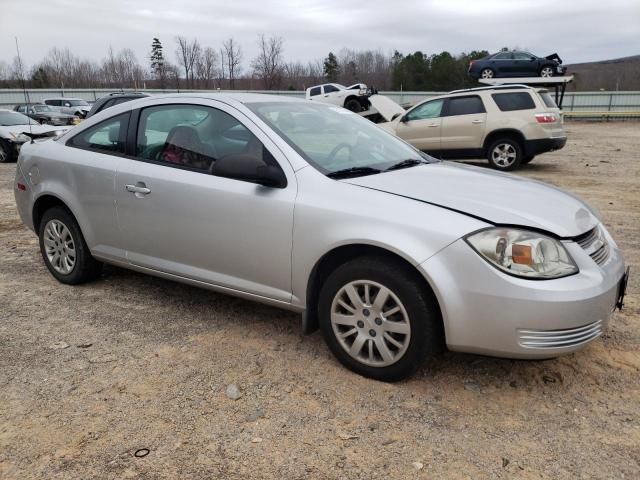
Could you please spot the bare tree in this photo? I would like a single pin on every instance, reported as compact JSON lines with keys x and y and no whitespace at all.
{"x":232,"y":56}
{"x":206,"y":67}
{"x":268,"y":64}
{"x":187,"y":54}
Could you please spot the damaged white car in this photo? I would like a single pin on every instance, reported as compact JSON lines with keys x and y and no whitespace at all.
{"x":17,"y":129}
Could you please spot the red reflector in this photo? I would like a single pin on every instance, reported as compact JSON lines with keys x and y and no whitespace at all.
{"x":22,"y":186}
{"x":545,"y":117}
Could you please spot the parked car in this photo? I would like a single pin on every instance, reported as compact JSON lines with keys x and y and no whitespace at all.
{"x":354,"y":97}
{"x":516,"y":64}
{"x":392,"y":253}
{"x":44,"y":114}
{"x":17,"y":129}
{"x":72,"y":106}
{"x":508,"y":125}
{"x":114,"y":99}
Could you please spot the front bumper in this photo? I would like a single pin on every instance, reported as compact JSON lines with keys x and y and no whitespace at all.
{"x":488,"y":312}
{"x":542,"y":145}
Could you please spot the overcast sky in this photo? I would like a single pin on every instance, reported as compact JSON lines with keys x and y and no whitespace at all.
{"x":579,"y":30}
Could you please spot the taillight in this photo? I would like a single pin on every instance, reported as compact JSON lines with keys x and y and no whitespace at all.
{"x":546,"y":117}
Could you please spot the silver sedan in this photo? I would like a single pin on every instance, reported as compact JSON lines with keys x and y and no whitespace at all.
{"x":392,"y":254}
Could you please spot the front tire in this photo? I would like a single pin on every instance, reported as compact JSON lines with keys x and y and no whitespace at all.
{"x":353,"y":105}
{"x":546,"y":71}
{"x":377,"y":319}
{"x":504,"y":154}
{"x":64,"y":250}
{"x":5,"y":152}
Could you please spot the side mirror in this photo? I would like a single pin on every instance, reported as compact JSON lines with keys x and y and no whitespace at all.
{"x":405,"y":119}
{"x":249,"y":168}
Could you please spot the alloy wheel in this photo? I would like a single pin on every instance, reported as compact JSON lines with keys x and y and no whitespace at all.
{"x":370,"y":323}
{"x":59,"y":247}
{"x":504,"y":155}
{"x":486,"y":73}
{"x":546,"y":72}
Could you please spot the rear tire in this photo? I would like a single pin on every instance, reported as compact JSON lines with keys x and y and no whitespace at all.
{"x":64,"y":250}
{"x":505,"y":154}
{"x":353,"y":105}
{"x":389,"y":325}
{"x":487,"y":73}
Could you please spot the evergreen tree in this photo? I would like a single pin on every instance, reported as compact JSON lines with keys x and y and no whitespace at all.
{"x":331,"y":67}
{"x":157,"y":61}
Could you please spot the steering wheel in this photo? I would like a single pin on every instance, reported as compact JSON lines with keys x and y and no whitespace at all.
{"x":336,"y":149}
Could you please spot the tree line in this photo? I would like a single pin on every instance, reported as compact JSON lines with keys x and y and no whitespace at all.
{"x":193,"y":65}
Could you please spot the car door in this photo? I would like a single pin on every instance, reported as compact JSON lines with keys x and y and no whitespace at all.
{"x":503,"y":64}
{"x":333,"y":95}
{"x":421,"y":126}
{"x":524,"y":64}
{"x":177,"y":218}
{"x":463,"y":124}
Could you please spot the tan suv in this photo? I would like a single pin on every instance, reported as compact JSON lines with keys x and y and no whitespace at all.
{"x":508,"y":125}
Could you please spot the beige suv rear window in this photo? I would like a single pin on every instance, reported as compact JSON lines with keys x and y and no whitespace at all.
{"x":510,"y":101}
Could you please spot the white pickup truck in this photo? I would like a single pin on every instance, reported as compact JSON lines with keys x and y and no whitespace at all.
{"x":354,"y":97}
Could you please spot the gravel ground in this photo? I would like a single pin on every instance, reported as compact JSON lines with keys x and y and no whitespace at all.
{"x":90,"y":375}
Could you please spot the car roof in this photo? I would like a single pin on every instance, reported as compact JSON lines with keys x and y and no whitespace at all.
{"x":65,"y":98}
{"x":240,"y":97}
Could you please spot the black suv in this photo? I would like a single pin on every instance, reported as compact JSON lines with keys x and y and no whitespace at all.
{"x":114,"y":99}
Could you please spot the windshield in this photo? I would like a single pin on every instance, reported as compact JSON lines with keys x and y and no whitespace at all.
{"x":9,"y":119}
{"x":333,"y":139}
{"x":77,"y":103}
{"x":42,"y":108}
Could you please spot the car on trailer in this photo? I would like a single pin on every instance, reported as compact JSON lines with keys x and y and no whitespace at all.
{"x":516,"y":64}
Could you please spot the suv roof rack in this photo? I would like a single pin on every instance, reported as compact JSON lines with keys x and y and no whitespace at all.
{"x":492,"y":87}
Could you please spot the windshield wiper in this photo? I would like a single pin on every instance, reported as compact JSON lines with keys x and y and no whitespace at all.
{"x":353,"y":172}
{"x":410,"y":162}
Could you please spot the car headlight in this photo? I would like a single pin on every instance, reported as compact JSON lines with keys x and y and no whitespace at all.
{"x":20,"y":138}
{"x":523,"y":253}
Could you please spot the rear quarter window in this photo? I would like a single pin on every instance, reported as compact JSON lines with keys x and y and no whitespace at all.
{"x":548,"y":101}
{"x":508,"y":102}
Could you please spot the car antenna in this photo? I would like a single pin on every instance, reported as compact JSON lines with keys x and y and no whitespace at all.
{"x":24,"y":89}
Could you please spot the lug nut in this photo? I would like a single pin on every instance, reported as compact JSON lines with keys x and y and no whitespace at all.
{"x":360,"y":324}
{"x":365,"y":312}
{"x":378,"y":321}
{"x":372,"y":333}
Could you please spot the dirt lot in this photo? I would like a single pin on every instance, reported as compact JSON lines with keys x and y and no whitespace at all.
{"x":147,"y":362}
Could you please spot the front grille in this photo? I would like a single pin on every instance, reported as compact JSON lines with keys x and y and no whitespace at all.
{"x":595,"y":244}
{"x":559,"y":338}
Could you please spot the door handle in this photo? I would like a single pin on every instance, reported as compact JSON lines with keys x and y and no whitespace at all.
{"x":137,"y":189}
{"x":433,"y":125}
{"x":477,"y":121}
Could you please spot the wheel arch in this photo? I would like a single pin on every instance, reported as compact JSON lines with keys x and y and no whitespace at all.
{"x":341,"y":254}
{"x":42,"y":204}
{"x":502,"y":133}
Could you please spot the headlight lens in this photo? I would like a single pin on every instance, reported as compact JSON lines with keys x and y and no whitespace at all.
{"x":20,"y":138}
{"x":523,"y":253}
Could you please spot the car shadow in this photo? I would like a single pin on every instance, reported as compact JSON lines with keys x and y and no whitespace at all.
{"x":210,"y":310}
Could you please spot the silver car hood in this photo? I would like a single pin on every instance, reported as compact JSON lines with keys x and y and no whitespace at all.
{"x":495,"y":197}
{"x":26,"y":129}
